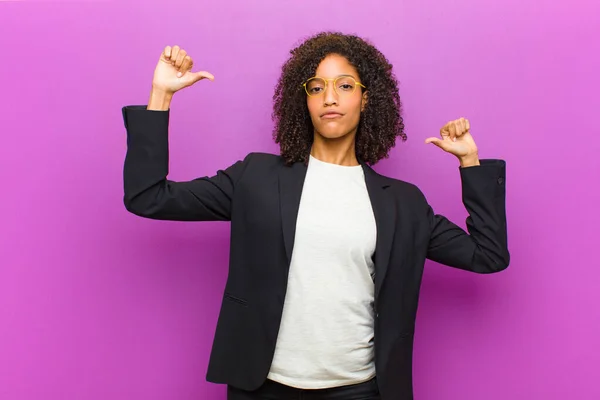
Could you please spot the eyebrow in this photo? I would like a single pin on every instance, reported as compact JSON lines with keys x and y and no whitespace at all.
{"x":339,"y":76}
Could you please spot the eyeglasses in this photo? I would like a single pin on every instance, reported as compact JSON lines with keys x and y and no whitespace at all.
{"x":343,"y":85}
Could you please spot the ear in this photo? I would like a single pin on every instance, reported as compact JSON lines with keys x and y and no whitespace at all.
{"x":363,"y":103}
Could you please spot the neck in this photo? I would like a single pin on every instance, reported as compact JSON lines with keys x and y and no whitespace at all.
{"x":339,"y":151}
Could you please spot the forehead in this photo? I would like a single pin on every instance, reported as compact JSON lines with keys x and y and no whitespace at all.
{"x":334,"y":65}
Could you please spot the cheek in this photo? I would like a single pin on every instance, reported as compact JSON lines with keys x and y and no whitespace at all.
{"x":313,"y":108}
{"x":356,"y":111}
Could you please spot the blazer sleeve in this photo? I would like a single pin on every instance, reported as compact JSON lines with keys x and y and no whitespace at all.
{"x":484,"y":249}
{"x":147,"y":191}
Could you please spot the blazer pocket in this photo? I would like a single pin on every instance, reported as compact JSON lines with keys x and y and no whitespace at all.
{"x":235,"y":299}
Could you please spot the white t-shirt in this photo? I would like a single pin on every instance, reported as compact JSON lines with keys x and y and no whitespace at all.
{"x":326,"y":333}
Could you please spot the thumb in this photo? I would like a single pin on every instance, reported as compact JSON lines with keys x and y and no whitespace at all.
{"x":197,"y":76}
{"x":442,"y":144}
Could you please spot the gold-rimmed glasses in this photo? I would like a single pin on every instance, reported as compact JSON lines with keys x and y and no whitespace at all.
{"x":344,"y":85}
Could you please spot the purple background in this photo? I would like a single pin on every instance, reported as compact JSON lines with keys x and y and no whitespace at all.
{"x":96,"y":303}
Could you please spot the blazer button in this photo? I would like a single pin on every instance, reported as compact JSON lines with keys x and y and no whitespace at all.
{"x":500,"y":181}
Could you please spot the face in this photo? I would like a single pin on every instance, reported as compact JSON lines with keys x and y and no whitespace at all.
{"x":335,"y":113}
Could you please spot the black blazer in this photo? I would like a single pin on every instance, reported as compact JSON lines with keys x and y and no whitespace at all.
{"x":260,"y":196}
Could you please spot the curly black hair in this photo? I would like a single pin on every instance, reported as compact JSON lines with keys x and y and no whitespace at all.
{"x":380,"y":122}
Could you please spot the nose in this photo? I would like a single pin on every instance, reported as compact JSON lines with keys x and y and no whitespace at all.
{"x":330,"y":95}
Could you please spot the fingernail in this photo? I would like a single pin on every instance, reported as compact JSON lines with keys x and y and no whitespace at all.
{"x":179,"y":74}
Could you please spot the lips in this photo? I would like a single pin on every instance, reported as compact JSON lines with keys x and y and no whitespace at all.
{"x":331,"y":115}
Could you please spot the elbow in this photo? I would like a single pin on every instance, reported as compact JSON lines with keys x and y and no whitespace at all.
{"x":130,"y":205}
{"x":147,"y":204}
{"x":144,"y":201}
{"x":504,"y":261}
{"x":135,"y":206}
{"x":499,"y":266}
{"x":491,"y":264}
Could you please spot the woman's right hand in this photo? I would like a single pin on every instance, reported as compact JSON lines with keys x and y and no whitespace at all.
{"x":174,"y":71}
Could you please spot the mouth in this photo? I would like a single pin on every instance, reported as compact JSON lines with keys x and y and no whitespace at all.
{"x":331,"y":115}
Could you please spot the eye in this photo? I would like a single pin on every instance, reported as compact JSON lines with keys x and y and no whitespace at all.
{"x":345,"y":84}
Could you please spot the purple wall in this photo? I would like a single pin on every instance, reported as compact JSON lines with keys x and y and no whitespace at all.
{"x":96,"y":303}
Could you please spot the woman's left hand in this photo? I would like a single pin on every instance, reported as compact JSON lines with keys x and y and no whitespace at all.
{"x":457,"y":140}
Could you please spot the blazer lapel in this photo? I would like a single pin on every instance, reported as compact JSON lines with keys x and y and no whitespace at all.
{"x":384,"y":210}
{"x":291,"y":181}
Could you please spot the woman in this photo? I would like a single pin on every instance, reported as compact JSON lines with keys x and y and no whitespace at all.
{"x":326,"y":255}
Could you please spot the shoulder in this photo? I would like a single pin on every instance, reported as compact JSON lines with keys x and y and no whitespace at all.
{"x":264,"y":158}
{"x":258,"y":164}
{"x":263,"y":161}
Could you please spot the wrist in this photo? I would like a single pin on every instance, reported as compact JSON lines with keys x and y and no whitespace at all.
{"x":160,"y":99}
{"x":469,"y":161}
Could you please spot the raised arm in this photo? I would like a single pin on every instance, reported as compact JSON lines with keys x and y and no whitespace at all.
{"x":147,"y":191}
{"x":484,"y":249}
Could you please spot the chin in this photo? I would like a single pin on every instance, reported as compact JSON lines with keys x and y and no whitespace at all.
{"x":332,"y":134}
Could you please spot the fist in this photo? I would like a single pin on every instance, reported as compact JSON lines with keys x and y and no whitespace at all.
{"x":174,"y":71}
{"x":456,"y":139}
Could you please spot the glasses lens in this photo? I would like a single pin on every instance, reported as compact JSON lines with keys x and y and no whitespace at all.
{"x":345,"y":85}
{"x":315,"y":86}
